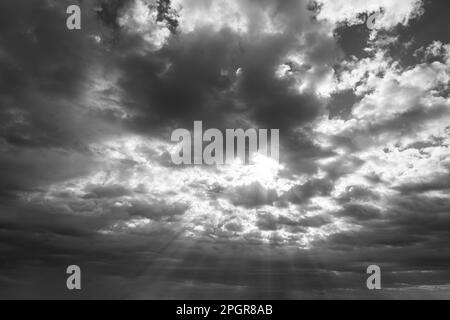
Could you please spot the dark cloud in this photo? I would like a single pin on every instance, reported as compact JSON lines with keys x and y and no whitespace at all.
{"x":341,"y":104}
{"x":313,"y":188}
{"x":108,"y":12}
{"x":26,"y":170}
{"x":44,"y":73}
{"x":252,"y":195}
{"x":157,"y":210}
{"x":357,"y":212}
{"x":439,"y":183}
{"x":358,"y":193}
{"x":191,"y":68}
{"x":267,"y":221}
{"x":108,"y":191}
{"x":421,"y":32}
{"x":353,"y":39}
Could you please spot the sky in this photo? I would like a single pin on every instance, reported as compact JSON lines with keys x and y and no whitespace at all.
{"x":86,"y":176}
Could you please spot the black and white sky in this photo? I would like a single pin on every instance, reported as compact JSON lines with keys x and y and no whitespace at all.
{"x":86,"y":176}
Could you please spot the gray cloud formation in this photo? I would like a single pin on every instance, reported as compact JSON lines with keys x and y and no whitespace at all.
{"x":86,"y":177}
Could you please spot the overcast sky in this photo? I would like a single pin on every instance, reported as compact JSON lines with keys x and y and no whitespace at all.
{"x":86,"y":176}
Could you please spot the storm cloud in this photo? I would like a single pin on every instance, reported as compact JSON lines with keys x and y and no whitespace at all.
{"x":86,"y":176}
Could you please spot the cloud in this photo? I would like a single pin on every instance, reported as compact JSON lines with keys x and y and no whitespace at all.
{"x":393,"y":12}
{"x":253,"y":195}
{"x":85,"y":169}
{"x":303,"y":193}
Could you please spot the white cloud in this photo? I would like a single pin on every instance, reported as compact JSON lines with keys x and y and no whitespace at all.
{"x":213,"y":14}
{"x":140,"y":18}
